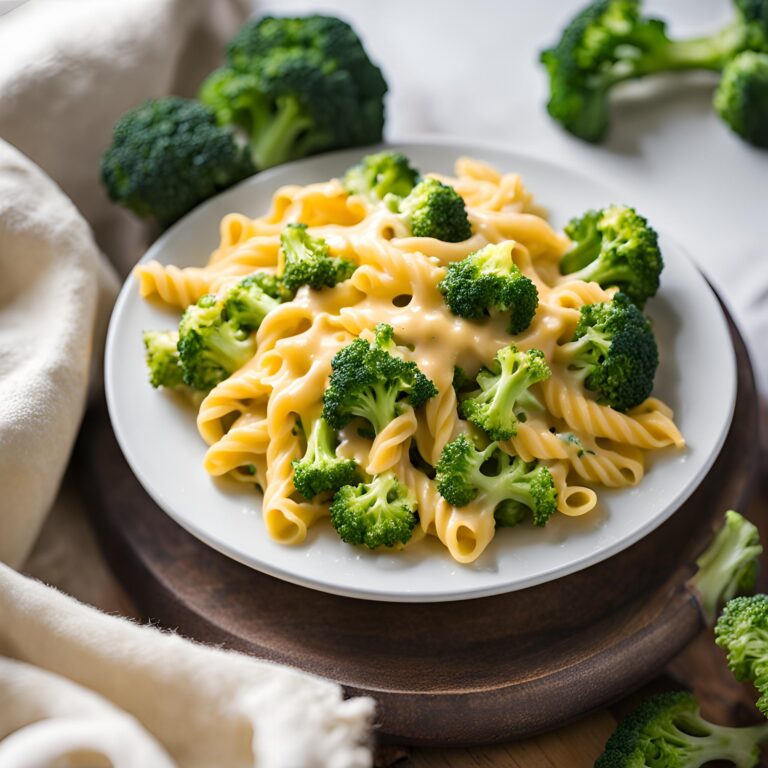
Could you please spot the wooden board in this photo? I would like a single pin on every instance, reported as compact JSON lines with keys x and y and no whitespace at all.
{"x":450,"y":674}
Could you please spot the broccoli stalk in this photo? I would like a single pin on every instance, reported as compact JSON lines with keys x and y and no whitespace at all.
{"x":380,"y":513}
{"x":510,"y":486}
{"x":487,"y":280}
{"x":728,"y":567}
{"x":615,"y":246}
{"x":381,"y":175}
{"x":504,"y":396}
{"x":433,"y":209}
{"x":615,"y":352}
{"x":320,"y":470}
{"x":167,"y":156}
{"x":741,"y":99}
{"x":610,"y":42}
{"x":372,"y":382}
{"x":742,"y":630}
{"x":247,"y":304}
{"x":668,"y":731}
{"x":308,"y":261}
{"x":162,"y":358}
{"x":211,"y":347}
{"x":297,"y":86}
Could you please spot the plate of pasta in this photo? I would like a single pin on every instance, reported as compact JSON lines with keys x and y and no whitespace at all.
{"x":396,"y":376}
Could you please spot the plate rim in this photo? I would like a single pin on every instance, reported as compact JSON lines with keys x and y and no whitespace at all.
{"x":459,"y":147}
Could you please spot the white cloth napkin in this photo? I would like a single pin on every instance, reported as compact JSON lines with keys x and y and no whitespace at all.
{"x":78,"y":687}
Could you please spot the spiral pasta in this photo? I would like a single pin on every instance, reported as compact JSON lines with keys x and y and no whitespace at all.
{"x":252,"y":421}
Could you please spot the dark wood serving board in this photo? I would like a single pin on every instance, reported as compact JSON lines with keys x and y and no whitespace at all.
{"x":457,"y":673}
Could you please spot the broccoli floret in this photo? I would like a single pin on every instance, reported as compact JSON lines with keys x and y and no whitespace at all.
{"x":380,"y":513}
{"x":271,"y":284}
{"x":372,"y":382}
{"x":728,"y":567}
{"x":163,"y":358}
{"x":380,"y":175}
{"x":741,"y":99}
{"x":489,"y":279}
{"x":167,"y":156}
{"x":320,"y":470}
{"x":742,"y":630}
{"x":211,"y":347}
{"x":247,"y":304}
{"x":434,"y":209}
{"x":610,"y":41}
{"x":297,"y":86}
{"x":504,"y":397}
{"x":509,"y":483}
{"x":615,"y":246}
{"x":668,"y":731}
{"x":615,"y":351}
{"x":308,"y":261}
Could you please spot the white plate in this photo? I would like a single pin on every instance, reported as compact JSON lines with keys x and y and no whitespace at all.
{"x":162,"y":446}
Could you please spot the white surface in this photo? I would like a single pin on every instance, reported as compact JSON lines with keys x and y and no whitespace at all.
{"x":160,"y":440}
{"x":470,"y":70}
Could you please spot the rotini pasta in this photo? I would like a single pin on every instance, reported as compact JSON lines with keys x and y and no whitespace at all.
{"x":255,"y":420}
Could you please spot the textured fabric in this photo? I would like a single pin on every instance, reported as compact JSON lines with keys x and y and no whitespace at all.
{"x":78,"y":687}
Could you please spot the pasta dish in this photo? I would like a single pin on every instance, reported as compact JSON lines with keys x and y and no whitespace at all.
{"x":418,"y":355}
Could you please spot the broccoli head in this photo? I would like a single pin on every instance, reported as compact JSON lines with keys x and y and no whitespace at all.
{"x":380,"y":513}
{"x":247,"y":304}
{"x":615,"y":350}
{"x":373,"y":382}
{"x":487,"y":280}
{"x":320,"y":470}
{"x":615,"y":246}
{"x":308,"y":261}
{"x":167,"y":156}
{"x":211,"y":347}
{"x":434,"y":209}
{"x":610,"y":41}
{"x":728,"y":567}
{"x":668,"y":731}
{"x":742,"y":630}
{"x":504,"y":397}
{"x":297,"y":86}
{"x":163,"y":358}
{"x":380,"y":175}
{"x":741,"y":99}
{"x":511,"y":486}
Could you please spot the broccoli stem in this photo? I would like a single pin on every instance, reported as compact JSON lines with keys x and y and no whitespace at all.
{"x":275,"y":144}
{"x":721,"y":742}
{"x":377,"y":405}
{"x":321,"y":442}
{"x":582,"y":254}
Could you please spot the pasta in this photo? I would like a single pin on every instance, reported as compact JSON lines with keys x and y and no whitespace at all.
{"x":251,"y":420}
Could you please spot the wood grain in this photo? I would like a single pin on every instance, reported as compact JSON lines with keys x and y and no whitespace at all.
{"x":479,"y":671}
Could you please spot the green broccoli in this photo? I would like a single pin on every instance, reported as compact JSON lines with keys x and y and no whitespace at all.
{"x":741,"y":99}
{"x":511,"y":486}
{"x":615,"y":351}
{"x":728,"y":567}
{"x":320,"y":470}
{"x":248,"y":303}
{"x":163,"y":358}
{"x":297,"y":86}
{"x":610,"y":41}
{"x":210,"y":346}
{"x":487,"y":280}
{"x":271,"y":284}
{"x":167,"y":156}
{"x":308,"y":261}
{"x":668,"y":731}
{"x":742,"y":630}
{"x":380,"y":513}
{"x":504,"y":397}
{"x":433,"y":209}
{"x":615,"y":246}
{"x":372,"y":382}
{"x":380,"y":175}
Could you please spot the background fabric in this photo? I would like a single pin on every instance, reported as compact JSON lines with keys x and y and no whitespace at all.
{"x":77,"y":686}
